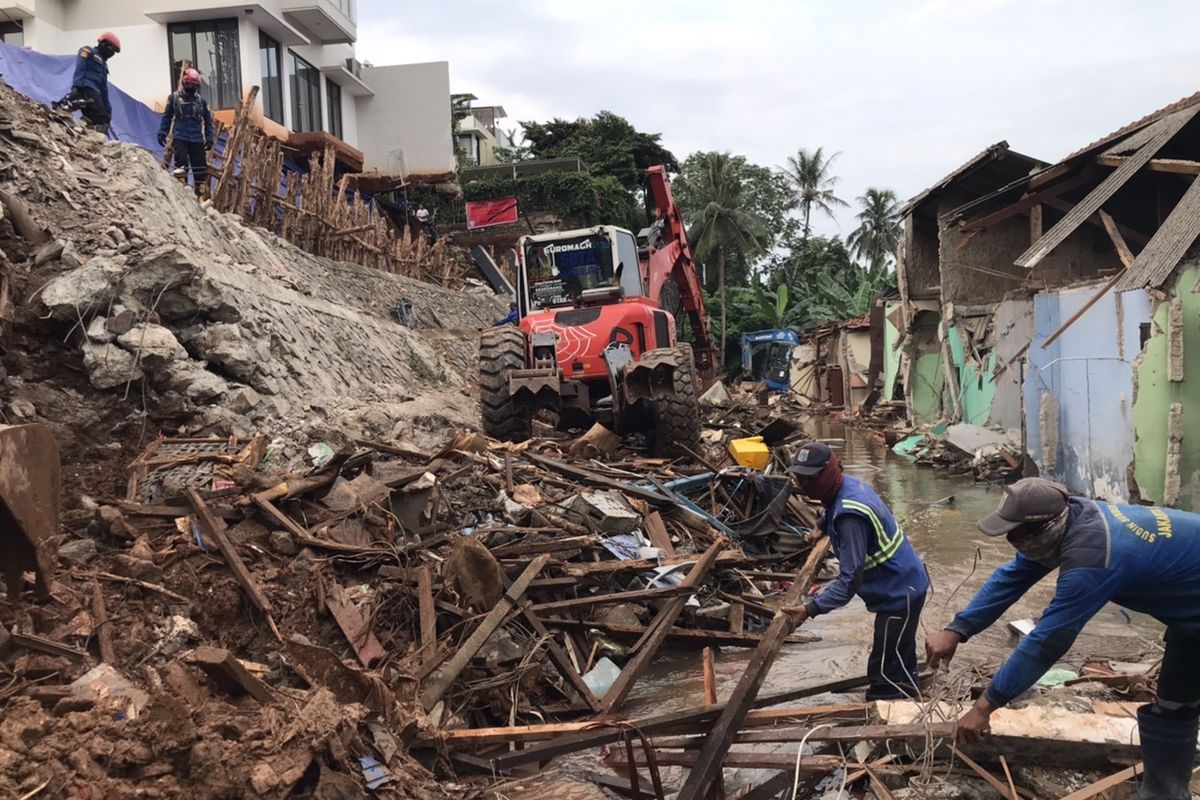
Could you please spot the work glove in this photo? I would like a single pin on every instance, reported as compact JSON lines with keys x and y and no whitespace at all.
{"x":162,"y":140}
{"x":208,"y":145}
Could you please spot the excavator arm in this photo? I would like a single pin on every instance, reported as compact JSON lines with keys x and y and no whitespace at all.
{"x":671,"y":260}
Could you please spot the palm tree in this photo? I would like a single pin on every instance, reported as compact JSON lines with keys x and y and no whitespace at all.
{"x":811,"y":176}
{"x":878,"y":232}
{"x":719,"y":226}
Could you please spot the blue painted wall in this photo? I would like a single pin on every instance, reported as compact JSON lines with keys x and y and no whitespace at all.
{"x":1089,"y":369}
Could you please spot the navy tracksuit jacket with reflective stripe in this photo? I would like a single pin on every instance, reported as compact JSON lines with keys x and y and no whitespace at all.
{"x":91,"y":72}
{"x":878,"y":563}
{"x":1145,"y":559}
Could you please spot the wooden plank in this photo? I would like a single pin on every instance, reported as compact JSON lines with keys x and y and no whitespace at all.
{"x":729,"y":558}
{"x":1012,"y":787}
{"x":1036,"y":223}
{"x":595,"y":479}
{"x":636,"y":596}
{"x":597,"y":736}
{"x":227,"y":673}
{"x":1175,"y":166}
{"x":721,"y":737}
{"x":737,"y":617}
{"x":356,"y":629}
{"x":656,"y":531}
{"x":659,"y":629}
{"x":710,"y":676}
{"x":428,"y":614}
{"x":692,"y":637}
{"x":1168,"y":127}
{"x":1126,"y":256}
{"x":553,"y":546}
{"x":1114,"y":233}
{"x":436,"y":687}
{"x":561,"y":660}
{"x":103,"y":626}
{"x":524,"y":734}
{"x":1025,"y":203}
{"x":41,"y":643}
{"x":1169,"y":244}
{"x":1104,"y":784}
{"x":988,"y":777}
{"x":215,"y":528}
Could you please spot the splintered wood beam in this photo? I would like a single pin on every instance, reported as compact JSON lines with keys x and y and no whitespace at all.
{"x":1036,"y":223}
{"x":1127,"y":258}
{"x":1114,"y":233}
{"x":1025,"y":203}
{"x":440,"y":683}
{"x":215,"y":528}
{"x":658,"y":630}
{"x":636,"y":596}
{"x":1175,"y":166}
{"x":711,"y":757}
{"x":428,"y":614}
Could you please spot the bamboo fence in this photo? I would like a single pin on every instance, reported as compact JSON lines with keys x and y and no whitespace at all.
{"x":317,"y":211}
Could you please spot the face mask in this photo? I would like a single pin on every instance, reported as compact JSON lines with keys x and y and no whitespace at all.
{"x":1040,"y":541}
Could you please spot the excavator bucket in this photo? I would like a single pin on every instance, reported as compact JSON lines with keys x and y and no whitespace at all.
{"x":29,"y":496}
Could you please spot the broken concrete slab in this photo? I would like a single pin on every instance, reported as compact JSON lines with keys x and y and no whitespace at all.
{"x":607,"y":512}
{"x":153,"y":344}
{"x":70,"y":296}
{"x":109,"y":366}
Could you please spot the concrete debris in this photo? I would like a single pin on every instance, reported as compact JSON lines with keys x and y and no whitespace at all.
{"x":78,"y":552}
{"x":717,"y":396}
{"x":152,"y":344}
{"x":109,"y":366}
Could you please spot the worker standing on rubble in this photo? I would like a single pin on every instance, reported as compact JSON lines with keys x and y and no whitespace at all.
{"x":1143,"y":558}
{"x":89,"y":84}
{"x":193,"y":131}
{"x":878,"y":563}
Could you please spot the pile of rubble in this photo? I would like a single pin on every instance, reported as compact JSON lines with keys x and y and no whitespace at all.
{"x":128,"y":308}
{"x":303,"y":630}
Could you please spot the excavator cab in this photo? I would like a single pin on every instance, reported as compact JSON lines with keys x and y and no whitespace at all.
{"x":594,"y":342}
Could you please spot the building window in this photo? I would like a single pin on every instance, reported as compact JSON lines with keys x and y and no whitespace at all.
{"x":333,"y":94}
{"x":305,"y":82}
{"x":212,"y":48}
{"x":12,"y":33}
{"x":270,"y":55}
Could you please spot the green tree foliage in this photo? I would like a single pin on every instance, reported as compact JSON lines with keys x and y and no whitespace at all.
{"x":763,"y":193}
{"x":581,"y":198}
{"x":607,"y":144}
{"x":812,"y":180}
{"x":878,"y":232}
{"x":720,"y":226}
{"x":824,"y":282}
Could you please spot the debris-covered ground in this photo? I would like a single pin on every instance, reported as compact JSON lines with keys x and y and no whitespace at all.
{"x":287,"y":567}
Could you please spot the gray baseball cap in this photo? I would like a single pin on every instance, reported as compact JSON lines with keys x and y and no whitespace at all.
{"x":811,"y":459}
{"x":1027,"y":500}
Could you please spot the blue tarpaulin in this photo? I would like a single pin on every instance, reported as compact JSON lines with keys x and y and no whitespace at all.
{"x":46,"y":78}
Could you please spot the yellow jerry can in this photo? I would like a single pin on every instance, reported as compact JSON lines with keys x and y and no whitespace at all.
{"x":750,"y":452}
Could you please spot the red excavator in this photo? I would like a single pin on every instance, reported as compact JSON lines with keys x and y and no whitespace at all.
{"x":597,"y":336}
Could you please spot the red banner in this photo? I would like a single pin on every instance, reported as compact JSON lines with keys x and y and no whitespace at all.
{"x":486,"y":213}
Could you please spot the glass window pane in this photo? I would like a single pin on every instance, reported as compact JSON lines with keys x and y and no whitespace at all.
{"x":229,"y":69}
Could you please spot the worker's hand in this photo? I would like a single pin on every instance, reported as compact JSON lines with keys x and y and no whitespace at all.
{"x":815,"y":535}
{"x":162,"y":140}
{"x":208,"y":145}
{"x":797,"y":614}
{"x":976,"y":723}
{"x":940,"y":647}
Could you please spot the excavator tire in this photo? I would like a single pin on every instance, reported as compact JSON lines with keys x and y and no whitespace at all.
{"x":502,"y":351}
{"x":677,"y":417}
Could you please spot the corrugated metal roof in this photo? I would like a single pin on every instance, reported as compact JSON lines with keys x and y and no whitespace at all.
{"x":1171,"y":241}
{"x":988,"y":154}
{"x":1164,"y":130}
{"x":1178,"y":105}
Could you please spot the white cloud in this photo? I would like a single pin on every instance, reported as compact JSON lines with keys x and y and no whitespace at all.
{"x":906,"y":92}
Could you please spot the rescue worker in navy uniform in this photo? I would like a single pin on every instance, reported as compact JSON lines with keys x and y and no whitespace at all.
{"x":89,"y":84}
{"x":193,"y":131}
{"x":512,"y":319}
{"x":878,"y":563}
{"x":1143,"y":558}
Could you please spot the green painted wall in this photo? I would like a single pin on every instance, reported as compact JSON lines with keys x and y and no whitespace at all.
{"x":891,"y":356}
{"x":927,"y":379}
{"x":1155,"y":394}
{"x":975,"y":389}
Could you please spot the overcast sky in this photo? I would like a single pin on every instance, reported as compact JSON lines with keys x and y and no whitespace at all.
{"x":906,"y":91}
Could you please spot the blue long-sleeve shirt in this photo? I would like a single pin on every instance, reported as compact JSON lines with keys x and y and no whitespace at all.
{"x":877,"y":564}
{"x":1145,"y":559}
{"x":91,"y":72}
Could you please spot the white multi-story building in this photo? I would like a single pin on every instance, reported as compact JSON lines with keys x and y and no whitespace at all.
{"x":299,"y":52}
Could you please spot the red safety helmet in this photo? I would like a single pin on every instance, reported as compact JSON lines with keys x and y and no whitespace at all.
{"x":191,"y":77}
{"x":110,"y":38}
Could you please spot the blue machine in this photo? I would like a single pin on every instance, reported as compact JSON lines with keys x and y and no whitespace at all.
{"x":767,"y":356}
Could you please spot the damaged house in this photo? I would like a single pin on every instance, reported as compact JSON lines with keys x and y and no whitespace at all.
{"x":1063,"y":303}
